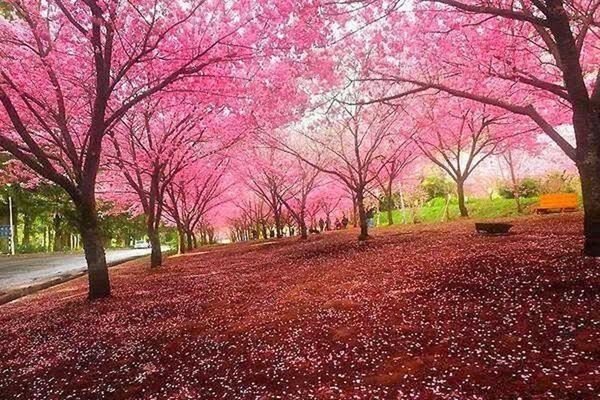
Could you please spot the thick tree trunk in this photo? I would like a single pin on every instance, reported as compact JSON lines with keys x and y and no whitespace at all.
{"x":156,"y":254}
{"x":362,"y":217}
{"x":277,"y":217}
{"x":194,"y":240}
{"x":589,"y":171}
{"x":460,"y":191}
{"x":99,"y":283}
{"x":190,"y":244}
{"x":303,"y":230}
{"x":181,"y":242}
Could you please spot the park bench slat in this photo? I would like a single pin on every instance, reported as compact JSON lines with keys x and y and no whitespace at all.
{"x":560,"y":202}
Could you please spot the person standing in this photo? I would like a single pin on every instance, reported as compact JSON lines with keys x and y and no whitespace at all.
{"x":370,"y":217}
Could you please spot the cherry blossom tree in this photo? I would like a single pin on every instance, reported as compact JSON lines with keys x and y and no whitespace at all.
{"x":151,"y":146}
{"x":251,"y":219}
{"x":192,"y":194}
{"x":535,"y":59}
{"x":329,"y":198}
{"x":296,"y":197}
{"x":265,"y":170}
{"x":403,"y":154}
{"x":350,"y":146}
{"x":457,"y":136}
{"x":70,"y":71}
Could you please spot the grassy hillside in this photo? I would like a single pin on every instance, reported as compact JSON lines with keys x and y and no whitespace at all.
{"x":433,"y":211}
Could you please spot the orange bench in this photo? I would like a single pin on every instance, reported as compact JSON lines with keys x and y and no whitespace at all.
{"x":557,"y":202}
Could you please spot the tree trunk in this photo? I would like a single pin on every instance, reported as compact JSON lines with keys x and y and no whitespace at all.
{"x":194,"y":240}
{"x":460,"y":191}
{"x":277,"y":218}
{"x":354,"y":213}
{"x":264,"y":232}
{"x":514,"y":181}
{"x":190,"y":244}
{"x":99,"y":283}
{"x":181,"y":242}
{"x":57,"y":226}
{"x":589,"y":170}
{"x":156,"y":255}
{"x":303,"y":229}
{"x":362,"y":217}
{"x":27,"y":223}
{"x":390,"y":205}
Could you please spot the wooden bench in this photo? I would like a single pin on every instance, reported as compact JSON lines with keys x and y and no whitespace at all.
{"x":557,"y":202}
{"x":492,"y":228}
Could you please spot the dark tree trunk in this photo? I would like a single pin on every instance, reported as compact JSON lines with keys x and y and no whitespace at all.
{"x":460,"y":191}
{"x":156,"y":255}
{"x":190,"y":244}
{"x":354,"y":211}
{"x":58,"y":234}
{"x":194,"y":240}
{"x":27,"y":224}
{"x":303,"y":229}
{"x":589,"y":171}
{"x":99,"y":283}
{"x":362,"y":217}
{"x":277,"y":217}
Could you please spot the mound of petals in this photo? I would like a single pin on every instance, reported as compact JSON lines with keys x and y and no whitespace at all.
{"x":427,"y":312}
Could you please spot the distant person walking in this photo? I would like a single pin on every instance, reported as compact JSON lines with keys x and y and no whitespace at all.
{"x":371,"y":217}
{"x":321,"y":224}
{"x":338,"y":224}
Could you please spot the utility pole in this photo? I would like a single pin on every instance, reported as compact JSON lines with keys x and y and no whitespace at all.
{"x":12,"y":228}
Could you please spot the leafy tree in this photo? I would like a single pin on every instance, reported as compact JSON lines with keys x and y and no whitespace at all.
{"x":436,"y":186}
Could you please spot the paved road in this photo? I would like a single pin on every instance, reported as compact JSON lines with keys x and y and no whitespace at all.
{"x":24,"y":270}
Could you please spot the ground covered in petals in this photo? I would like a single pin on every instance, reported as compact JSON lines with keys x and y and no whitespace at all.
{"x":427,"y":312}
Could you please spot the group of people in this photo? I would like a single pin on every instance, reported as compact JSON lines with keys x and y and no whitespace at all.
{"x":325,"y":225}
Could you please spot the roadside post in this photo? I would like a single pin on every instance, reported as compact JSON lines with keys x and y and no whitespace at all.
{"x":11,"y":226}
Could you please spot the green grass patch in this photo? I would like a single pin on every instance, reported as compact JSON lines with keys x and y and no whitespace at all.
{"x":433,"y":211}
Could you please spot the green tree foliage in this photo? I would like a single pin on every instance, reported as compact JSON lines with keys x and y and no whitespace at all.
{"x":437,"y":186}
{"x":529,"y":187}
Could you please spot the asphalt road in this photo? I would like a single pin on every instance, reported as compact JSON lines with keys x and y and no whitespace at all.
{"x":24,"y":270}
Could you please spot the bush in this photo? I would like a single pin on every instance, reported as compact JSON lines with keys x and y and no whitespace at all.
{"x":559,"y":182}
{"x":529,"y":187}
{"x":437,"y":186}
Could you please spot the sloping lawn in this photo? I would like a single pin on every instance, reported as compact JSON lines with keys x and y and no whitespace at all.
{"x":479,"y":208}
{"x":426,"y":312}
